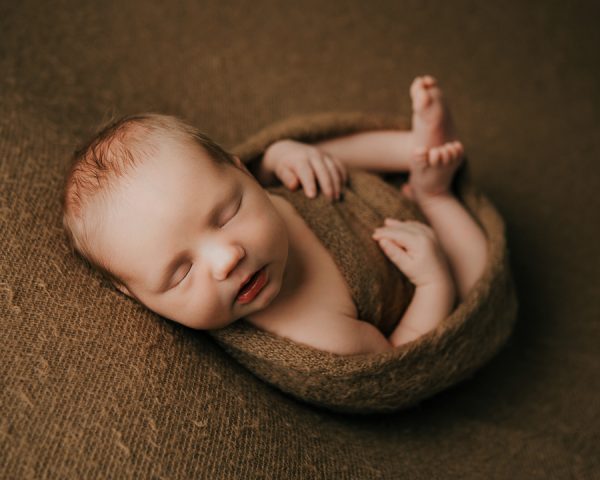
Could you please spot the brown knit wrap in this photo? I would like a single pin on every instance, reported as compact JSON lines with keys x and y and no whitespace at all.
{"x":383,"y":382}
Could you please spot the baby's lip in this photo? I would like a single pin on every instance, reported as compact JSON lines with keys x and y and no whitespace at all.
{"x":246,"y":277}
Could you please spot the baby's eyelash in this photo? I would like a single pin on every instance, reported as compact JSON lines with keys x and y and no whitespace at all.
{"x":185,"y":276}
{"x":235,"y":213}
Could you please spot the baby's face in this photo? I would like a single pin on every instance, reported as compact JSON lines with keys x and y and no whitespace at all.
{"x":185,"y":233}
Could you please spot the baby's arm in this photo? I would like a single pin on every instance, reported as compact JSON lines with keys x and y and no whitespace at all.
{"x":415,"y":250}
{"x":428,"y":307}
{"x":375,"y":151}
{"x":325,"y":163}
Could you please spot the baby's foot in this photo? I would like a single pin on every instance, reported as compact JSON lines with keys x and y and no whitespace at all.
{"x":432,"y":170}
{"x":431,"y":121}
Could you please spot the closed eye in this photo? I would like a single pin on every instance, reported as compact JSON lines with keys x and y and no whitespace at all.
{"x":184,"y":277}
{"x":189,"y":270}
{"x":236,"y":211}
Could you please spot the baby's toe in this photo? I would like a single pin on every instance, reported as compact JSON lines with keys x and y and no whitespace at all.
{"x":416,"y":85}
{"x":452,"y":152}
{"x":456,"y":150}
{"x":434,"y":156}
{"x":459,"y":148}
{"x":407,"y":191}
{"x":429,"y":81}
{"x":445,"y":155}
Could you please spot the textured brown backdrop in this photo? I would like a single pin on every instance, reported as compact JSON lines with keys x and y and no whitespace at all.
{"x":93,"y":386}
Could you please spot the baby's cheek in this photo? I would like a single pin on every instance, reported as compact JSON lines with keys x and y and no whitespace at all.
{"x":167,"y":306}
{"x":206,"y":310}
{"x":260,"y":228}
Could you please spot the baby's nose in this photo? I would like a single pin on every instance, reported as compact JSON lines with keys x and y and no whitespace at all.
{"x":227,"y":261}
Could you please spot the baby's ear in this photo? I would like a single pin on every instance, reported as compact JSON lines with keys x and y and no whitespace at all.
{"x":122,"y":288}
{"x":241,"y":165}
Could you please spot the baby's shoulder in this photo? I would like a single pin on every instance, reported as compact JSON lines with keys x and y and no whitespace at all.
{"x":286,"y":317}
{"x":324,"y":329}
{"x":329,"y":331}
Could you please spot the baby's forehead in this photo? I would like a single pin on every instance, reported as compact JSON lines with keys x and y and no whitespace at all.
{"x":168,"y":148}
{"x":177,"y":165}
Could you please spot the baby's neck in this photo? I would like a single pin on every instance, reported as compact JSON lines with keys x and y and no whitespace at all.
{"x":294,"y":269}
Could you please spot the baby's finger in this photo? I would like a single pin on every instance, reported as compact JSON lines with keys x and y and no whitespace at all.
{"x":322,"y":174}
{"x":335,"y":176}
{"x":340,"y":168}
{"x":403,"y":237}
{"x":394,"y":252}
{"x":406,"y":225}
{"x":413,"y":226}
{"x":288,"y":178}
{"x":307,"y":178}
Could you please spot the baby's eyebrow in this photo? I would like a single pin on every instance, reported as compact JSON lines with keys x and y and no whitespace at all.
{"x":167,"y":272}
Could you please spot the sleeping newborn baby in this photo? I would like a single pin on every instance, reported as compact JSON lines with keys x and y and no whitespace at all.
{"x":185,"y":228}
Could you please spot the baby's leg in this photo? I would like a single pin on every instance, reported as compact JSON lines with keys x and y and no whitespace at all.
{"x":462,"y":239}
{"x":392,"y":150}
{"x":432,"y":123}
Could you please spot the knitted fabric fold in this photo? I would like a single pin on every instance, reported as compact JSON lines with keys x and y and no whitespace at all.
{"x":382,"y":382}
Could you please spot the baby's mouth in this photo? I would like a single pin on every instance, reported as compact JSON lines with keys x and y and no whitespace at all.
{"x":246,"y":286}
{"x":252,"y":287}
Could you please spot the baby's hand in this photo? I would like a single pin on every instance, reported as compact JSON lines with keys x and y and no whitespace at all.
{"x":295,"y":162}
{"x":414,"y":248}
